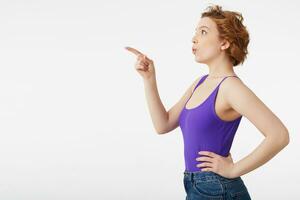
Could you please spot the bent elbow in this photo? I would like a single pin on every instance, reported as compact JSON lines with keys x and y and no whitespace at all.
{"x":160,"y":132}
{"x":285,"y":139}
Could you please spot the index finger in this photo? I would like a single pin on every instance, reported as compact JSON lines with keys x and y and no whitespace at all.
{"x":136,"y":52}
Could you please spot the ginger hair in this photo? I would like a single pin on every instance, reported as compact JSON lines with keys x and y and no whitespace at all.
{"x":230,"y":27}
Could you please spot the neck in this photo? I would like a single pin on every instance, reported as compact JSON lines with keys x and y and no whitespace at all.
{"x":220,"y":67}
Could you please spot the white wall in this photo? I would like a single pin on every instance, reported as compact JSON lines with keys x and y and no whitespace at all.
{"x":74,"y":123}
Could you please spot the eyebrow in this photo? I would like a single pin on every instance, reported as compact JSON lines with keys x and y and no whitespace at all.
{"x":201,"y":27}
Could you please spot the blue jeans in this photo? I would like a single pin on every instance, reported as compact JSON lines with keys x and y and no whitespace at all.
{"x":208,"y":185}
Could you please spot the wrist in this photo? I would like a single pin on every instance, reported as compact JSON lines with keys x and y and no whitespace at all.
{"x":150,"y":80}
{"x":235,"y":172}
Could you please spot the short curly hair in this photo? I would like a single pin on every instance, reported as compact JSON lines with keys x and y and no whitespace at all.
{"x":230,"y":27}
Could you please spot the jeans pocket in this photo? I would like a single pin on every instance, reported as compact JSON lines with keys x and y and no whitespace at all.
{"x":239,"y":191}
{"x":211,"y":189}
{"x":241,"y":195}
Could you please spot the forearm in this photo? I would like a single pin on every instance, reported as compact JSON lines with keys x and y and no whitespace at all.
{"x":266,"y":150}
{"x":157,"y":110}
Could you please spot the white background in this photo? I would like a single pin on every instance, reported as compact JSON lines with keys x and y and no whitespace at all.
{"x":74,"y":123}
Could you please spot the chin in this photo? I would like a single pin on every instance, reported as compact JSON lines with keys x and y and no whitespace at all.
{"x":203,"y":59}
{"x":199,"y":60}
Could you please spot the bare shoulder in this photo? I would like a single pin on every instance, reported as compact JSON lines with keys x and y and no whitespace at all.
{"x":243,"y":100}
{"x":237,"y":93}
{"x":231,"y":83}
{"x":234,"y":87}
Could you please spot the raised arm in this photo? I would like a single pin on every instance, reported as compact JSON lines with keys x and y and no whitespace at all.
{"x":164,"y":121}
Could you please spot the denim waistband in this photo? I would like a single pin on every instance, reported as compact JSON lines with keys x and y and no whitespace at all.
{"x":206,"y":176}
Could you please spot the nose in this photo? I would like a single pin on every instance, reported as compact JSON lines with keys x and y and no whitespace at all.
{"x":194,"y":40}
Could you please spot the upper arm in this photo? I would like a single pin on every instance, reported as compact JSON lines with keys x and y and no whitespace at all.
{"x":174,"y":111}
{"x":245,"y":102}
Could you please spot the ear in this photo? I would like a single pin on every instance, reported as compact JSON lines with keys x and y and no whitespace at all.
{"x":225,"y":45}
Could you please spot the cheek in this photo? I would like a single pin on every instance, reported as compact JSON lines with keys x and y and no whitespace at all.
{"x":207,"y":47}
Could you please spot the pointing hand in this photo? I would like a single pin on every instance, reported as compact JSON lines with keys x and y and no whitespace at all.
{"x":143,"y":65}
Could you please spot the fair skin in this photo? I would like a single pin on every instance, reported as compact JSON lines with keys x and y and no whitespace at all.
{"x":233,"y":100}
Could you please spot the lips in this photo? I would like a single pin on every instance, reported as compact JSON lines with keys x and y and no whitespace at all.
{"x":193,"y":50}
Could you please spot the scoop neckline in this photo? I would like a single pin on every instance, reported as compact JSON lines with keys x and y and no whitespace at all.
{"x":204,"y":78}
{"x":189,"y":109}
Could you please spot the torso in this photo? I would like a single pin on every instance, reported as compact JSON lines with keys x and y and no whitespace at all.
{"x":222,"y":107}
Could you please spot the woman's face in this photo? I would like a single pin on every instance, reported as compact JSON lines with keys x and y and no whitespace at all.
{"x":206,"y":42}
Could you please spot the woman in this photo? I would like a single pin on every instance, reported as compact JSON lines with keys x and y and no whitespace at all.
{"x":211,"y":109}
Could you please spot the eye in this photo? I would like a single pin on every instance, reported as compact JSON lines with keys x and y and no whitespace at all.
{"x":203,"y":31}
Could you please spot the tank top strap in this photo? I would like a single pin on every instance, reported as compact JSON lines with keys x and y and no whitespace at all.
{"x":200,"y":81}
{"x":224,"y":79}
{"x":215,"y":92}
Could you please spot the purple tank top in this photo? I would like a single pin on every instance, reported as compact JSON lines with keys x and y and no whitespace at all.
{"x":203,"y":130}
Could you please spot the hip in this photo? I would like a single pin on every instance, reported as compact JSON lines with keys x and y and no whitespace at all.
{"x":209,"y":185}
